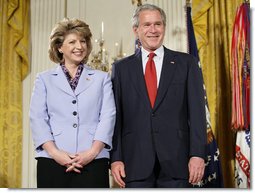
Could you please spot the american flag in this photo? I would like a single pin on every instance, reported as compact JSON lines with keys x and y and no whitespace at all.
{"x":213,"y":172}
{"x":137,"y":45}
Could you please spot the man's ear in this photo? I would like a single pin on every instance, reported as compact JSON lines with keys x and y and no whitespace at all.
{"x":135,"y":31}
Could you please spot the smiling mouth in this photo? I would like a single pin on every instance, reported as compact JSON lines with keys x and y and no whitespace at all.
{"x":152,"y":36}
{"x":77,"y":53}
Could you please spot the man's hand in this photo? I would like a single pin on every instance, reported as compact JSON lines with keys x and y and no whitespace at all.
{"x":118,"y":173}
{"x":196,"y":169}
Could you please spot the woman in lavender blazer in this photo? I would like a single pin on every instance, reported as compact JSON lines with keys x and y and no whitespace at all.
{"x":72,"y":113}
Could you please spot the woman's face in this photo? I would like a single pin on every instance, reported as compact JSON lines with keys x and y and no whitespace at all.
{"x":74,"y":49}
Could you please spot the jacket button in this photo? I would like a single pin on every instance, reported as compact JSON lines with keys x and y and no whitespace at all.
{"x":74,"y":113}
{"x":74,"y":125}
{"x":74,"y":101}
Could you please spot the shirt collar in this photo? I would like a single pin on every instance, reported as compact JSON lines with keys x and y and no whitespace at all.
{"x":159,"y":52}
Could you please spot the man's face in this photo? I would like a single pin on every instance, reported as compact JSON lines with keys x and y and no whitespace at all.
{"x":151,"y":30}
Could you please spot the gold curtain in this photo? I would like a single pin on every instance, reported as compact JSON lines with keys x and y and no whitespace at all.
{"x":14,"y":66}
{"x":213,"y":24}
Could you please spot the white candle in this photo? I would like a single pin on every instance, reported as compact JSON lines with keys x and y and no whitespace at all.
{"x":96,"y":45}
{"x":116,"y":49}
{"x":102,"y":32}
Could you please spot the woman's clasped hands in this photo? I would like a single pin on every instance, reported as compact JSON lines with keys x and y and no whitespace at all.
{"x":79,"y":160}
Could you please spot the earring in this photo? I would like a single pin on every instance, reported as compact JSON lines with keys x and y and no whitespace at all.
{"x":60,"y":51}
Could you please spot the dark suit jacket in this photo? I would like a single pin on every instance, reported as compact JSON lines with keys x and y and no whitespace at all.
{"x":174,"y":130}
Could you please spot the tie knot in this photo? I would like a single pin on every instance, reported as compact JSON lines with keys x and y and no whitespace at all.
{"x":151,"y":55}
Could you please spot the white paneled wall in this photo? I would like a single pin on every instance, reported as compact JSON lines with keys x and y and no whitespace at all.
{"x":116,"y":15}
{"x":44,"y":14}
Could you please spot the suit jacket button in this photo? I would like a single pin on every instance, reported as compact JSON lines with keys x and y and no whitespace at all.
{"x":74,"y":101}
{"x":74,"y":125}
{"x":74,"y":113}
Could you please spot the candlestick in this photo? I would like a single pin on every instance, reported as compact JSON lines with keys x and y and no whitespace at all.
{"x":102,"y":32}
{"x":121,"y":49}
{"x":96,"y":45}
{"x":103,"y":56}
{"x":118,"y":51}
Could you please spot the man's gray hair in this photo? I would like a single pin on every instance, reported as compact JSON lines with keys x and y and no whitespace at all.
{"x":135,"y":18}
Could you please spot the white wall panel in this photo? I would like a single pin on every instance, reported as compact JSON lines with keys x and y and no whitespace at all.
{"x":44,"y":14}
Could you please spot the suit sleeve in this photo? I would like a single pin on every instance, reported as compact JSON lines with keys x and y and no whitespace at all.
{"x":196,"y":111}
{"x":116,"y":154}
{"x":107,"y":117}
{"x":39,"y":119}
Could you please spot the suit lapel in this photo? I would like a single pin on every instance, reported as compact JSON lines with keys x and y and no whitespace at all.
{"x":61,"y":82}
{"x":167,"y":72}
{"x":86,"y":79}
{"x":137,"y":77}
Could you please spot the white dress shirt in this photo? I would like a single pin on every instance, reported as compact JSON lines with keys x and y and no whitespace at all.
{"x":158,"y":60}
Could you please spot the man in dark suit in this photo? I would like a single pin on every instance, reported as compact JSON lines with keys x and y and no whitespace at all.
{"x":160,"y":132}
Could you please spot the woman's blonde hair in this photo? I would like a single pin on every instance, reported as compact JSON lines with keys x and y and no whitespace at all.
{"x":59,"y":32}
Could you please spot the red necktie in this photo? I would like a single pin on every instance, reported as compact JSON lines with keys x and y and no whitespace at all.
{"x":151,"y":79}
